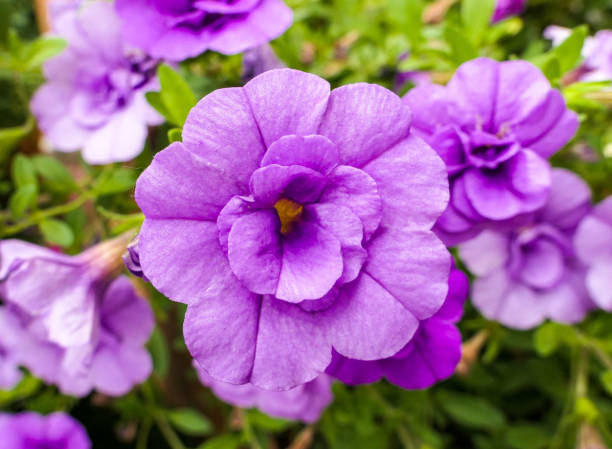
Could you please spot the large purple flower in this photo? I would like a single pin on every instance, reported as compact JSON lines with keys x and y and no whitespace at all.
{"x":293,"y":220}
{"x":507,"y":8}
{"x":87,"y":330}
{"x":181,"y":29}
{"x":494,"y":124}
{"x":304,"y":403}
{"x":29,"y":430}
{"x":530,"y":274}
{"x":593,"y":243}
{"x":431,"y":356}
{"x":93,"y":99}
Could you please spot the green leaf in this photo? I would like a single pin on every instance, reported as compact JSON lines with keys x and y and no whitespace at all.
{"x":56,"y":231}
{"x":41,"y":50}
{"x":461,"y":49}
{"x":471,"y":411}
{"x":159,"y":352}
{"x":120,"y":180}
{"x":23,"y":172}
{"x":606,"y":381}
{"x":476,"y":15}
{"x":548,"y":337}
{"x":23,"y":198}
{"x":155,"y":100}
{"x":190,"y":421}
{"x":527,"y":437}
{"x":175,"y":135}
{"x":10,"y":137}
{"x":585,"y":409}
{"x":227,"y":441}
{"x":176,"y":95}
{"x":265,"y":422}
{"x":55,"y":173}
{"x":569,"y":52}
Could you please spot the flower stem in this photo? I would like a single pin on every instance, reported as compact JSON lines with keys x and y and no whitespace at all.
{"x":169,"y":434}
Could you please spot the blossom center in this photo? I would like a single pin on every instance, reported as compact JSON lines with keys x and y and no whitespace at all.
{"x":288,"y":212}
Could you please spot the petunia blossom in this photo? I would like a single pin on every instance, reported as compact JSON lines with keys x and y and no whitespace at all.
{"x":531,"y":274}
{"x":431,"y":356}
{"x":495,"y":125}
{"x":304,"y":403}
{"x":507,"y":8}
{"x":93,"y":99}
{"x":177,"y":30}
{"x":593,"y":243}
{"x":87,"y":331}
{"x":292,"y":220}
{"x":10,"y":374}
{"x":30,"y":430}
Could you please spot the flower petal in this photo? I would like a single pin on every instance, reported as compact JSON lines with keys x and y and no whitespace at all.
{"x":314,"y":152}
{"x":485,"y":253}
{"x":274,"y":182}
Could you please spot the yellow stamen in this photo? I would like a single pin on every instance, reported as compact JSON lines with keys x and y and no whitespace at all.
{"x":288,"y":212}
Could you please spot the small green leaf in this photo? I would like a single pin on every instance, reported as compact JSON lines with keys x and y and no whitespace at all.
{"x":190,"y":421}
{"x":56,"y":231}
{"x":227,"y":441}
{"x":548,"y":337}
{"x":155,"y":100}
{"x":527,"y":437}
{"x":55,"y":173}
{"x":177,"y":96}
{"x":461,"y":48}
{"x":476,"y":15}
{"x":120,"y":180}
{"x":159,"y":352}
{"x":23,"y":198}
{"x":568,"y":53}
{"x":23,"y":172}
{"x":41,"y":50}
{"x":585,"y":409}
{"x":471,"y":411}
{"x":606,"y":381}
{"x":10,"y":137}
{"x":174,"y":135}
{"x":267,"y":423}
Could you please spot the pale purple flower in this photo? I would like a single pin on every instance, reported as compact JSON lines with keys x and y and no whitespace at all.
{"x":593,"y":243}
{"x":293,"y":220}
{"x":94,"y":96}
{"x":596,"y":51}
{"x":507,"y":8}
{"x":495,"y":125}
{"x":86,"y":331}
{"x":304,"y":403}
{"x":9,"y":364}
{"x":431,"y":356}
{"x":259,"y":60}
{"x":531,"y":274}
{"x":30,"y":430}
{"x":181,"y":29}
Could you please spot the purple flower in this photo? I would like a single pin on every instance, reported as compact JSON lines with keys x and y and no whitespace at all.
{"x":9,"y":364}
{"x":304,"y":403}
{"x":530,"y":274}
{"x":131,"y":259}
{"x":29,"y":430}
{"x":93,"y":99}
{"x":87,"y":330}
{"x":259,"y":60}
{"x":181,"y":29}
{"x":593,"y":243}
{"x":507,"y":8}
{"x":431,"y":356}
{"x":293,"y":220}
{"x":494,"y":124}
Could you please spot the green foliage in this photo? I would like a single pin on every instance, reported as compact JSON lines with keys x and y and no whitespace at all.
{"x":190,"y":421}
{"x":176,"y":97}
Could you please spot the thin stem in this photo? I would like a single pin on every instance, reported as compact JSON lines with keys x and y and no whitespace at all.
{"x":143,"y":433}
{"x":248,"y":432}
{"x":169,"y":434}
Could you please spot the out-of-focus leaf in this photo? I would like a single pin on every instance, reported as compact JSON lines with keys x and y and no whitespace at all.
{"x":23,"y":198}
{"x":461,"y":48}
{"x":10,"y":137}
{"x":265,"y":422}
{"x":227,"y":441}
{"x":527,"y":437}
{"x":155,"y":100}
{"x":174,"y":135}
{"x":476,"y":14}
{"x":23,"y":172}
{"x":586,"y":410}
{"x":159,"y":352}
{"x":549,"y":336}
{"x":56,"y":231}
{"x":471,"y":411}
{"x":41,"y":50}
{"x":190,"y":421}
{"x":120,"y":180}
{"x":606,"y":381}
{"x":53,"y":171}
{"x":569,"y":51}
{"x":177,"y":96}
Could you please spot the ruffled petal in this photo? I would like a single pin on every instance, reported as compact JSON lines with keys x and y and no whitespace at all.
{"x":274,"y":182}
{"x":314,"y":152}
{"x":485,"y":253}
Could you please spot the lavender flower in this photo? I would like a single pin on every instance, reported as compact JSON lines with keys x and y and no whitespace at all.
{"x":304,"y":403}
{"x":32,"y":431}
{"x":93,"y":99}
{"x":9,"y":364}
{"x":530,"y":274}
{"x":292,"y":220}
{"x":593,"y":243}
{"x":177,"y":30}
{"x":431,"y":356}
{"x":507,"y":8}
{"x":131,"y":259}
{"x":259,"y":60}
{"x":87,"y":330}
{"x":494,"y":124}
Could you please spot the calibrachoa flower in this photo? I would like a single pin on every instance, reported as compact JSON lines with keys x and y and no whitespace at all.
{"x":93,"y":98}
{"x":304,"y":403}
{"x":177,"y":30}
{"x":259,"y":60}
{"x":9,"y":365}
{"x":87,"y":330}
{"x":530,"y":274}
{"x":431,"y":356}
{"x":29,"y":430}
{"x":507,"y":8}
{"x":593,"y":244}
{"x":494,"y":124}
{"x":293,"y":220}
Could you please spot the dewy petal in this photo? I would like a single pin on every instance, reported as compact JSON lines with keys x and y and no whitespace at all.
{"x":292,"y":348}
{"x":265,"y":22}
{"x":568,"y":202}
{"x":314,"y":152}
{"x":255,"y":251}
{"x":599,"y":283}
{"x":181,"y":258}
{"x":221,"y":330}
{"x":181,"y":184}
{"x":378,"y":120}
{"x":412,"y":184}
{"x":287,"y":101}
{"x":294,"y":182}
{"x":221,"y":129}
{"x":355,"y":189}
{"x":485,"y":253}
{"x":411,"y":266}
{"x":311,"y":263}
{"x":366,"y":322}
